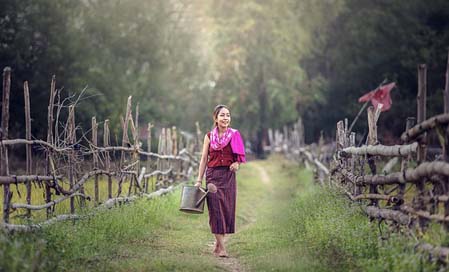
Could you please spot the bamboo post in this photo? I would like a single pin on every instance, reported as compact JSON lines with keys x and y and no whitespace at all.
{"x":4,"y":167}
{"x":107,"y":157}
{"x":49,"y":170}
{"x":29,"y":159}
{"x":168,"y":147}
{"x":149,"y":137}
{"x":446,"y":88}
{"x":136,"y":141}
{"x":125,"y":143}
{"x":446,"y":142}
{"x":340,"y":135}
{"x":71,"y":142}
{"x":135,"y":154}
{"x":161,"y":148}
{"x":405,"y":160}
{"x":421,"y":108}
{"x":356,"y":188}
{"x":149,"y":150}
{"x":95,"y":158}
{"x":446,"y":110}
{"x":421,"y":116}
{"x":174,"y":141}
{"x":372,"y":140}
{"x":159,"y":151}
{"x":125,"y":139}
{"x":174,"y":138}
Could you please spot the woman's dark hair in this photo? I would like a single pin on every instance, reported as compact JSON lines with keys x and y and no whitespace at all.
{"x":217,"y":110}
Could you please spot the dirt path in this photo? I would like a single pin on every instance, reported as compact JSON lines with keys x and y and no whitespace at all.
{"x":264,"y":177}
{"x":232,"y":263}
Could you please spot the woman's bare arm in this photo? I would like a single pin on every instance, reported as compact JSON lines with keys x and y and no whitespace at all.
{"x":203,"y":161}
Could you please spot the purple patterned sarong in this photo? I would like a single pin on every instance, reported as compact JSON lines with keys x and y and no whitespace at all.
{"x":221,"y":205}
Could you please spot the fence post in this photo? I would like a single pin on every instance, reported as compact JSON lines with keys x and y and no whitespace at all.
{"x":372,"y":140}
{"x":95,"y":158}
{"x":446,"y":142}
{"x":421,"y":109}
{"x":107,"y":157}
{"x":421,"y":116}
{"x":29,"y":159}
{"x":446,"y":88}
{"x":71,"y":141}
{"x":4,"y":165}
{"x":405,"y":160}
{"x":146,"y":180}
{"x":50,"y":119}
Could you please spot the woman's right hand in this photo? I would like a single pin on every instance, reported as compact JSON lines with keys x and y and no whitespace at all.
{"x":198,"y":184}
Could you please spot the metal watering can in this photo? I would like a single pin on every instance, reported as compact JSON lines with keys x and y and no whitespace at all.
{"x":192,"y":199}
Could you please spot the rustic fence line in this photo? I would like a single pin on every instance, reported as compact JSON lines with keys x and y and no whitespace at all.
{"x":412,"y":190}
{"x":69,"y":161}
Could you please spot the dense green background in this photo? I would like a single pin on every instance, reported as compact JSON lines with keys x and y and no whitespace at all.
{"x":270,"y":61}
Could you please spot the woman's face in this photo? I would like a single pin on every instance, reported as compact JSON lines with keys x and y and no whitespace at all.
{"x":223,"y":118}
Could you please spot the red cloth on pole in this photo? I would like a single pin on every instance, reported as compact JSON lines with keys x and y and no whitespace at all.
{"x":380,"y":95}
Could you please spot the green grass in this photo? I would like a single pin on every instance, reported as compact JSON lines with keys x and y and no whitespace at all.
{"x":289,"y":224}
{"x":301,"y":226}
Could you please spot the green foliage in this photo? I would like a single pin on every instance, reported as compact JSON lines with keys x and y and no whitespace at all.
{"x":358,"y":44}
{"x":270,"y":61}
{"x":258,"y":45}
{"x":115,"y":48}
{"x":23,"y":253}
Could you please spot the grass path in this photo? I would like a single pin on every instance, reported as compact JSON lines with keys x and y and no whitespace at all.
{"x":169,"y":240}
{"x":284,"y":223}
{"x":183,"y":242}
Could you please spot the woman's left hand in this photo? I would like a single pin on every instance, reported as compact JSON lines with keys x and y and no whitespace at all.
{"x":234,"y":166}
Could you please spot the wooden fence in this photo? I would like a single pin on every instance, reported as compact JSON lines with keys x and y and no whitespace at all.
{"x":411,"y":191}
{"x":61,"y":166}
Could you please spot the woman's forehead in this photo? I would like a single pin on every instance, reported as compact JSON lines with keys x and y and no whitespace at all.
{"x":223,"y":110}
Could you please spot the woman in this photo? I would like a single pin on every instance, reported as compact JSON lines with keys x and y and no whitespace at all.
{"x":223,"y":151}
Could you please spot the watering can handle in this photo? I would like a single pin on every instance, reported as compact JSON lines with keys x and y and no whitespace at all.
{"x":202,"y":198}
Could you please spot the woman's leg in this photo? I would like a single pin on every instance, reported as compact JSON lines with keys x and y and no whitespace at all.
{"x":216,"y":247}
{"x":221,"y":245}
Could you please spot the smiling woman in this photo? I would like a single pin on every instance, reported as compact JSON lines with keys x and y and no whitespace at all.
{"x":223,"y":151}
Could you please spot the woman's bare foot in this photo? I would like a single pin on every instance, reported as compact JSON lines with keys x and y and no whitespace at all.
{"x":223,"y":254}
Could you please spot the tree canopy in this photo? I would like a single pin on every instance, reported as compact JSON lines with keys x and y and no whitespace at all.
{"x":269,"y":61}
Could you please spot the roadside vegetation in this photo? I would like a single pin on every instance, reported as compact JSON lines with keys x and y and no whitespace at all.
{"x":284,"y":223}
